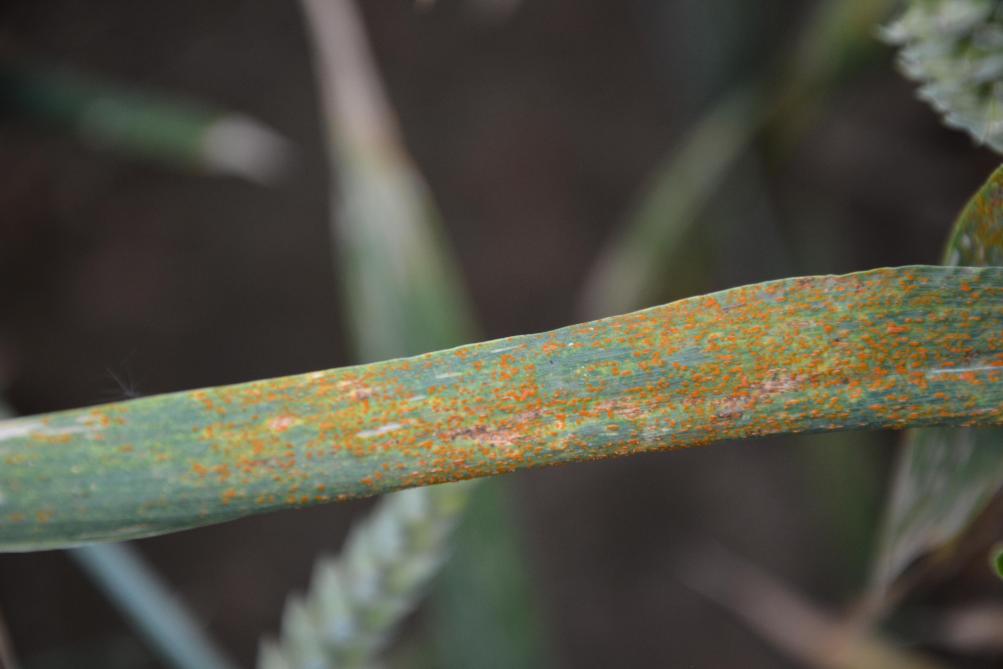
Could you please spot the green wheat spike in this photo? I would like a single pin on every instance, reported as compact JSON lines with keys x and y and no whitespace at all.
{"x":354,"y":599}
{"x":954,"y":49}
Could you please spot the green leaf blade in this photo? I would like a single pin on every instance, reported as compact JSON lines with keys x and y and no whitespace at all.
{"x":893,"y":347}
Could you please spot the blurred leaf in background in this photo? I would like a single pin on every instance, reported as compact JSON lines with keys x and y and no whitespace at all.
{"x":632,"y":269}
{"x":714,"y":185}
{"x":947,"y":476}
{"x":182,"y":134}
{"x":996,"y":559}
{"x":404,"y":295}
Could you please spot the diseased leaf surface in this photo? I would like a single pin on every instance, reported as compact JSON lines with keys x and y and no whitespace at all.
{"x":946,"y":476}
{"x":885,"y":348}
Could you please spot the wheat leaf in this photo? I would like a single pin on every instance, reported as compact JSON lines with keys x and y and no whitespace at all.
{"x":898,"y":347}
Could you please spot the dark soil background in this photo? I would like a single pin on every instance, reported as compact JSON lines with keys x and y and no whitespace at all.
{"x":535,"y":132}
